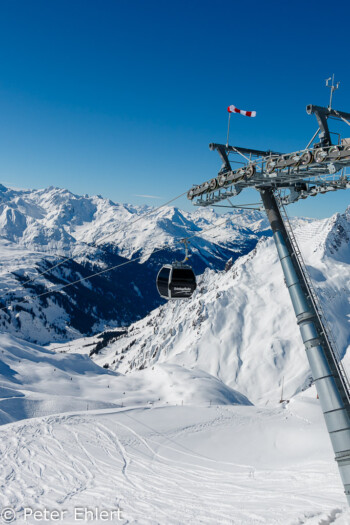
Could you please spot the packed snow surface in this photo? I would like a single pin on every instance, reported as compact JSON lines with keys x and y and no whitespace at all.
{"x":35,"y":381}
{"x":176,"y":465}
{"x":163,"y":446}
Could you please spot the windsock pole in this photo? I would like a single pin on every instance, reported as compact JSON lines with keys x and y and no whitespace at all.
{"x":228,"y":128}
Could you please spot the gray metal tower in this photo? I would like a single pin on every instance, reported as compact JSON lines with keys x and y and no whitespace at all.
{"x":282,"y":179}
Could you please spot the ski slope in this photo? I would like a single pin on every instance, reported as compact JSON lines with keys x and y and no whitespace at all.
{"x":35,"y":382}
{"x":175,"y":465}
{"x":164,"y":445}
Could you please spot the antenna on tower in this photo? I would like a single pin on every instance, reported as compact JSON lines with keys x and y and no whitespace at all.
{"x":332,"y":87}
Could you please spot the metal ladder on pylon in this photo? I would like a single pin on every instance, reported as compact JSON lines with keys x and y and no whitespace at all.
{"x":327,"y":332}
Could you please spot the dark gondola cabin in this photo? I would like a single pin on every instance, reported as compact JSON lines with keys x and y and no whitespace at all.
{"x":176,"y":281}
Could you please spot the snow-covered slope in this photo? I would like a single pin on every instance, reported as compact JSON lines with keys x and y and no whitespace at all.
{"x":35,"y":381}
{"x":240,"y":326}
{"x":164,"y":446}
{"x":39,"y":228}
{"x":175,"y":465}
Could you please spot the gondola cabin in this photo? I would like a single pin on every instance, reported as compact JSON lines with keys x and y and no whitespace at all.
{"x":176,"y":281}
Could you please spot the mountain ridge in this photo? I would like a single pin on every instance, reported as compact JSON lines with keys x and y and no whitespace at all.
{"x":239,"y":325}
{"x":39,"y":228}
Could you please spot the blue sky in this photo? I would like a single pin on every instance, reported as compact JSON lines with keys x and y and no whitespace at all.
{"x":121,"y":98}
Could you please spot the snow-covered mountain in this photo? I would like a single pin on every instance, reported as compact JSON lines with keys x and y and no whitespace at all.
{"x":40,"y":228}
{"x":239,"y":325}
{"x":176,"y":439}
{"x":55,"y":221}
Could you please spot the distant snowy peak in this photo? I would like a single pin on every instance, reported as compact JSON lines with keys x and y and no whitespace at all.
{"x":326,"y":236}
{"x":338,"y":236}
{"x":39,"y":228}
{"x":55,"y":218}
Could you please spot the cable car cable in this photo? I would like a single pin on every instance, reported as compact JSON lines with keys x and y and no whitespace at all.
{"x":125,"y":226}
{"x":59,"y":288}
{"x":177,"y":280}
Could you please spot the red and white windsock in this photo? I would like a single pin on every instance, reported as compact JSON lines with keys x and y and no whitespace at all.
{"x":233,"y":109}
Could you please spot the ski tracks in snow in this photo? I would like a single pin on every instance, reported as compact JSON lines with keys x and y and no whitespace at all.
{"x":122,"y":460}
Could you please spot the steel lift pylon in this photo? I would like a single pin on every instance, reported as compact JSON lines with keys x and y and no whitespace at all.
{"x":280,"y":180}
{"x":327,"y":371}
